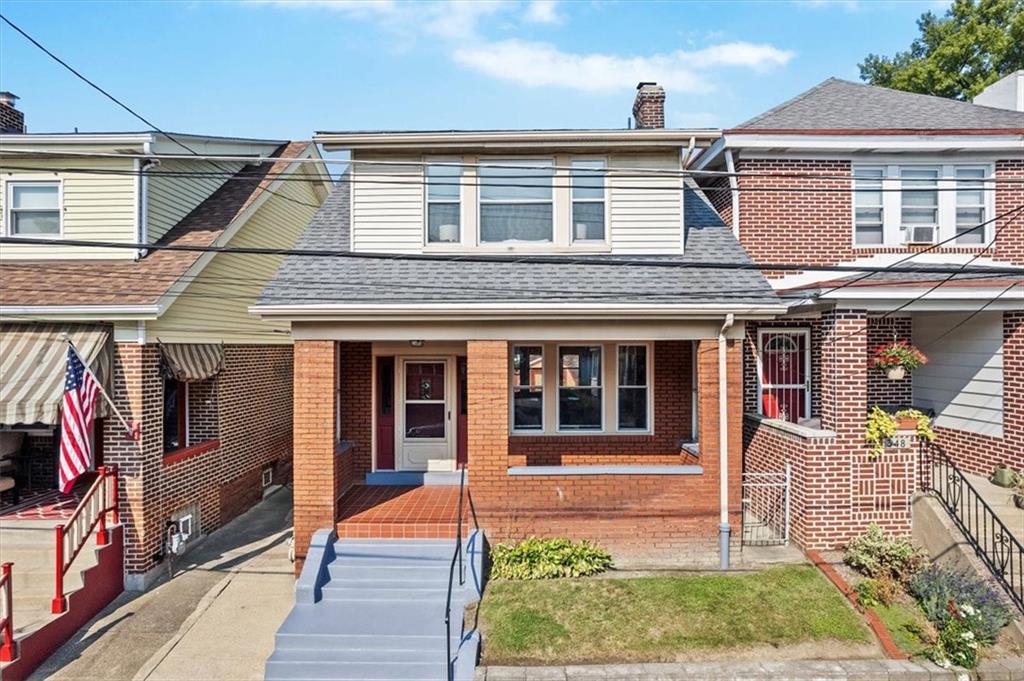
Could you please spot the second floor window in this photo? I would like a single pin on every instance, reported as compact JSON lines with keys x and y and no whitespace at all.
{"x":920,"y":198}
{"x":444,"y":224}
{"x":588,"y":204}
{"x":869,"y":210}
{"x":516,"y":201}
{"x":33,"y":208}
{"x":970,"y":206}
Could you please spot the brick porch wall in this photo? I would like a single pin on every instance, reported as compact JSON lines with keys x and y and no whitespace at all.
{"x":253,"y":408}
{"x":637,"y":515}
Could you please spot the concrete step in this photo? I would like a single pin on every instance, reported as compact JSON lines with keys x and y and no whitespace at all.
{"x":357,"y":655}
{"x":337,"y":591}
{"x":375,"y":641}
{"x":356,"y":671}
{"x":375,"y":573}
{"x":368,"y":617}
{"x":434,"y":551}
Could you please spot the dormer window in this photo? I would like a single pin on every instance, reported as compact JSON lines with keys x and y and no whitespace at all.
{"x":588,"y":200}
{"x":516,"y":201}
{"x":444,"y":225}
{"x":33,"y":209}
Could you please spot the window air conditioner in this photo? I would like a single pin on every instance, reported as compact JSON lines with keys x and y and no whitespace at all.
{"x":920,"y":234}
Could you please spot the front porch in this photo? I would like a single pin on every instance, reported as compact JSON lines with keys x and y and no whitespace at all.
{"x":610,"y":440}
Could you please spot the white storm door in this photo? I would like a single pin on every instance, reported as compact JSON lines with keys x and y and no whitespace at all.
{"x":426,"y":440}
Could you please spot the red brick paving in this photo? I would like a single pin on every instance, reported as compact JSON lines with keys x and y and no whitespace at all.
{"x":394,"y":512}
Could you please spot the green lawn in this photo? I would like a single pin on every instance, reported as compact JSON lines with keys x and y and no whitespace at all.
{"x":570,"y":621}
{"x":907,"y":625}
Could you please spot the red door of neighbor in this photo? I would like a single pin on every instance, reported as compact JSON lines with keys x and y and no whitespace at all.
{"x":385,"y":413}
{"x":785,"y":374}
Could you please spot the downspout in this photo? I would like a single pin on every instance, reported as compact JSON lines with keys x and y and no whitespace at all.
{"x":734,"y":192}
{"x":724,"y":530}
{"x":143,"y":217}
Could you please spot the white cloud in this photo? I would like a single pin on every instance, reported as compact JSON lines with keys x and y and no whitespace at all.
{"x":543,"y":12}
{"x":541,"y":64}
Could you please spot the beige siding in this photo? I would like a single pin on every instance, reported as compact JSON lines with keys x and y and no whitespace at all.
{"x":387,"y":207}
{"x":96,"y":206}
{"x":171,"y":197}
{"x":214,"y":307}
{"x":963,"y":381}
{"x":646,"y":213}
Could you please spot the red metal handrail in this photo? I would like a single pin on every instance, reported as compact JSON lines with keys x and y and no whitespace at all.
{"x":98,"y":502}
{"x":8,"y":647}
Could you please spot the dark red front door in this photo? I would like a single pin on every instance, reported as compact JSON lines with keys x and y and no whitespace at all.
{"x":385,"y":413}
{"x":784,"y":374}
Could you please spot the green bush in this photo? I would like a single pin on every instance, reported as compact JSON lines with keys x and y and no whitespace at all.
{"x":536,"y":558}
{"x":872,"y":593}
{"x":938,"y":589}
{"x":877,"y":554}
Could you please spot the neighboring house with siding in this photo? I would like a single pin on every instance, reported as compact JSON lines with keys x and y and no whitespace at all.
{"x":581,"y":399}
{"x":927,"y":170}
{"x":208,"y":384}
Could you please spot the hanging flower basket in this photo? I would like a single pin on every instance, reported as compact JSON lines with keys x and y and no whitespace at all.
{"x":897,"y":358}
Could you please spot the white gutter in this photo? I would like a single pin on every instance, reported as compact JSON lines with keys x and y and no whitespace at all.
{"x":734,"y":194}
{"x":723,"y":446}
{"x":83,"y":311}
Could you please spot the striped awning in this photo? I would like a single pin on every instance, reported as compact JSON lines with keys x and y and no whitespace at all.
{"x":33,"y":358}
{"x":192,"y":361}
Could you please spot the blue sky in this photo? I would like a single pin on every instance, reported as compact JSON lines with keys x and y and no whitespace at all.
{"x":282,"y":69}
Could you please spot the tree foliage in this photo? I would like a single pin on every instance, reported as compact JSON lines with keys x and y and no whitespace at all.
{"x":957,"y":55}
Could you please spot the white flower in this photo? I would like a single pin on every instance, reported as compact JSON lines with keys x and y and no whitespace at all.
{"x":967,"y":610}
{"x":968,"y":635}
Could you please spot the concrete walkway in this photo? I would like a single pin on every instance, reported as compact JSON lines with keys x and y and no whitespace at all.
{"x":1000,"y":500}
{"x":214,"y":620}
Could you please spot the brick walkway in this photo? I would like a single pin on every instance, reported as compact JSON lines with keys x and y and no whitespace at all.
{"x":859,"y":670}
{"x":392,"y":512}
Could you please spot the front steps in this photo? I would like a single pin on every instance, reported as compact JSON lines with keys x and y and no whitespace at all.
{"x":373,"y":609}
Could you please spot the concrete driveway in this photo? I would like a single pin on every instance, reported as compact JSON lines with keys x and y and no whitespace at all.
{"x":214,"y":620}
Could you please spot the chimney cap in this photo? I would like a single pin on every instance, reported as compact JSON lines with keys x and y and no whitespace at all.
{"x":8,"y":98}
{"x":645,"y":84}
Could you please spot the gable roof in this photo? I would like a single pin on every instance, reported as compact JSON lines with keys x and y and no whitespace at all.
{"x":837,"y":104}
{"x":334,"y":281}
{"x":147,"y":280}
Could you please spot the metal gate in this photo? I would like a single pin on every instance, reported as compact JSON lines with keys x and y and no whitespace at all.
{"x":766,"y":508}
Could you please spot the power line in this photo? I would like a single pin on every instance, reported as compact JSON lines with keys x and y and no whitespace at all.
{"x":668,"y":262}
{"x":971,"y":316}
{"x":134,"y":113}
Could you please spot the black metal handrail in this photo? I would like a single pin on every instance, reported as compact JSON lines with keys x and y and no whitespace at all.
{"x":458,"y":556}
{"x":991,"y":540}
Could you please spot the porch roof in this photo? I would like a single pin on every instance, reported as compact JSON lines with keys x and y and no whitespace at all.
{"x":644,"y":281}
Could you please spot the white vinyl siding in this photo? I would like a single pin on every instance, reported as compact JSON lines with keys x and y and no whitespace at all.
{"x":94,"y":206}
{"x":214,"y":307}
{"x":172,"y":197}
{"x":389,"y":203}
{"x":963,"y":381}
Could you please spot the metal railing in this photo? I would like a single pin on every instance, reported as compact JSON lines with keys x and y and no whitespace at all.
{"x":991,"y":540}
{"x":458,"y":557}
{"x":8,"y":647}
{"x":71,"y":537}
{"x":765,"y":500}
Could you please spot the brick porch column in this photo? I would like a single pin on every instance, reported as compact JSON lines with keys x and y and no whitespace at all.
{"x":487,"y":437}
{"x":314,"y":467}
{"x":844,"y":372}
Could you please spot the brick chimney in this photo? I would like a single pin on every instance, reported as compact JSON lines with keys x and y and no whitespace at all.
{"x":11,"y":120}
{"x":649,"y":106}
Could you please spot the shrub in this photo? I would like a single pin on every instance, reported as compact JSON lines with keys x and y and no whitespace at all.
{"x":874,"y":592}
{"x":936,"y":587}
{"x":536,"y":558}
{"x":877,"y":555}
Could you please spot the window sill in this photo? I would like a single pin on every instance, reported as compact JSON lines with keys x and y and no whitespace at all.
{"x":793,"y":428}
{"x":343,"y":447}
{"x":188,"y":452}
{"x":538,"y":249}
{"x":605,"y":470}
{"x":583,"y":435}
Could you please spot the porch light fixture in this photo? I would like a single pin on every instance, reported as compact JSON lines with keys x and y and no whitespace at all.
{"x":416,"y":343}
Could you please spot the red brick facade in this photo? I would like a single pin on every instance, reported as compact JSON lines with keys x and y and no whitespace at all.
{"x":251,"y":399}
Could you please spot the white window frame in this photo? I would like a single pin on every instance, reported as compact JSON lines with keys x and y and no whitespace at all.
{"x":604,"y":200}
{"x":480,"y":202}
{"x":892,"y":201}
{"x":648,"y":386}
{"x":938,"y":197}
{"x":808,"y":383}
{"x":986,"y":209}
{"x":513,"y":385}
{"x":881,"y":181}
{"x":427,"y":200}
{"x":10,"y":184}
{"x":558,"y":387}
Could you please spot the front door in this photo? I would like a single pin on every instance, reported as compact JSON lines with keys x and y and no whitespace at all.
{"x":425,"y":436}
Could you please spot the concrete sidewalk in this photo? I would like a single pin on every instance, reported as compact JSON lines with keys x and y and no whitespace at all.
{"x":215,"y":619}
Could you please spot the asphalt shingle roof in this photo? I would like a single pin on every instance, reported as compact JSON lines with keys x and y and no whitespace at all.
{"x":308,"y":280}
{"x":843,"y":105}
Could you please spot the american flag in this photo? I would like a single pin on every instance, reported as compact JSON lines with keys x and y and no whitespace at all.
{"x":79,"y":409}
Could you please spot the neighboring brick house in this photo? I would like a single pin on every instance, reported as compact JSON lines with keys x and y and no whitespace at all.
{"x":924,"y":168}
{"x":582,"y":398}
{"x":213,"y":434}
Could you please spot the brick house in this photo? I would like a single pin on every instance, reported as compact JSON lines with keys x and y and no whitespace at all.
{"x":208,"y":385}
{"x":587,"y":385}
{"x":928,"y":172}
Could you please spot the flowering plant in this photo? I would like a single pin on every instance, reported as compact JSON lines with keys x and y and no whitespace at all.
{"x":957,"y":642}
{"x":898,"y":354}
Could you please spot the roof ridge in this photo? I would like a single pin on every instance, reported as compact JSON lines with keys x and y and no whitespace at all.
{"x":789,"y":102}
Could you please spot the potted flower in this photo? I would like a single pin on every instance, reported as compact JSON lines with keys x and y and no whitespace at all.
{"x":1003,"y":476}
{"x":1018,"y":493}
{"x":897,"y":358}
{"x":916,"y":420}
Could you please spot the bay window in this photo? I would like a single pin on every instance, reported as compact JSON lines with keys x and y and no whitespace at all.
{"x":632,"y":387}
{"x":516,"y":201}
{"x":33,"y":208}
{"x":580,"y":396}
{"x":444,"y":224}
{"x":528,"y":387}
{"x":588,"y":200}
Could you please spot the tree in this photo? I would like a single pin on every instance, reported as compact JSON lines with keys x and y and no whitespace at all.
{"x":972,"y":46}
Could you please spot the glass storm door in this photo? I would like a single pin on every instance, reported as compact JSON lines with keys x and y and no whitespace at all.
{"x":425,"y":436}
